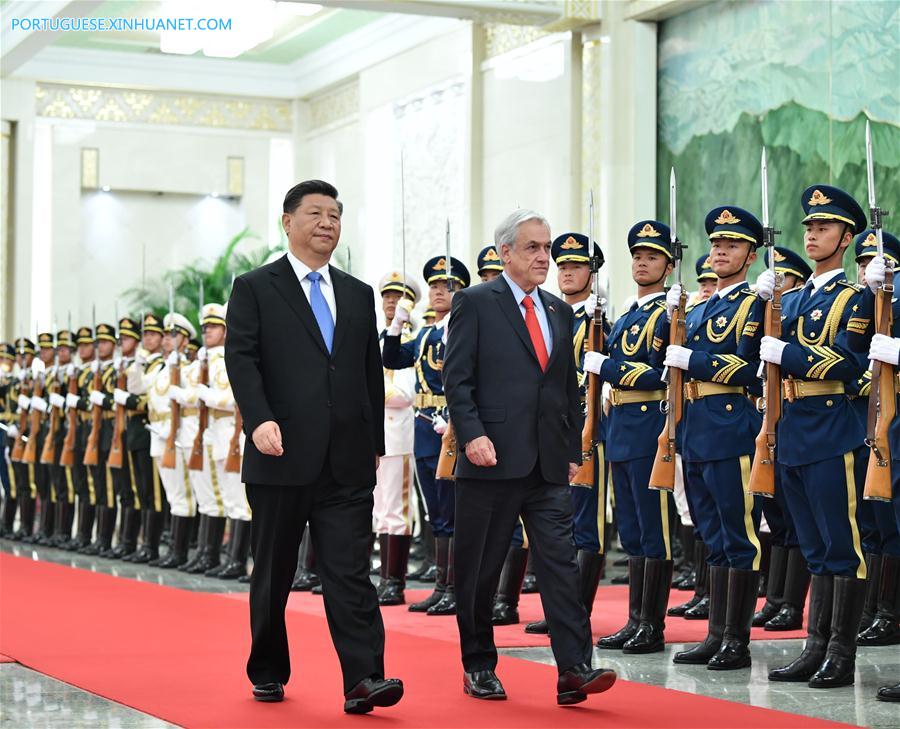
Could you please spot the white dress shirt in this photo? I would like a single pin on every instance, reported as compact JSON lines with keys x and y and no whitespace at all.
{"x":301,"y":270}
{"x":823,"y":278}
{"x":520,"y":295}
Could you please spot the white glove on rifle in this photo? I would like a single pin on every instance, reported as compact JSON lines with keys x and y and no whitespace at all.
{"x":875,"y":274}
{"x":95,"y":365}
{"x":173,"y":359}
{"x":884,"y":348}
{"x":677,"y":356}
{"x":70,"y":370}
{"x":202,"y":354}
{"x":673,"y":298}
{"x":117,"y":363}
{"x":39,"y":404}
{"x":140,"y":357}
{"x":590,"y":305}
{"x":178,"y":394}
{"x":439,"y":425}
{"x":38,"y":367}
{"x":57,"y":400}
{"x":765,"y":285}
{"x":24,"y":402}
{"x":12,"y":432}
{"x":401,"y":317}
{"x":205,"y":394}
{"x":593,"y":361}
{"x":120,"y":396}
{"x":72,"y":401}
{"x":97,"y":398}
{"x":771,"y":350}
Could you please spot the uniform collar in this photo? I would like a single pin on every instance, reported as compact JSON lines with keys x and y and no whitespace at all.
{"x":823,"y":278}
{"x":648,"y":298}
{"x":728,"y":289}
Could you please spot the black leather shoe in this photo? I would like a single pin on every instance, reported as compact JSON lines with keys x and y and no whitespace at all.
{"x":700,"y":611}
{"x":889,"y":693}
{"x":769,"y":611}
{"x":788,"y":618}
{"x":575,"y":684}
{"x":679,"y":610}
{"x":270,"y":692}
{"x":372,"y":692}
{"x":483,"y":685}
{"x":505,"y":614}
{"x":538,"y":627}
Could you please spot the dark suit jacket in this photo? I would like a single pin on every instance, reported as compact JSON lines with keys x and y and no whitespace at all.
{"x":495,"y":386}
{"x":327,"y":406}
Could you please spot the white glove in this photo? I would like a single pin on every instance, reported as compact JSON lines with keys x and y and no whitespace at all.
{"x":140,"y":357}
{"x":70,"y":370}
{"x":401,"y":313}
{"x":38,"y":367}
{"x":117,"y":362}
{"x":97,"y":398}
{"x":205,"y":394}
{"x":875,"y":275}
{"x":673,"y":297}
{"x":24,"y":402}
{"x":765,"y":285}
{"x":771,"y":349}
{"x":173,"y":359}
{"x":178,"y":394}
{"x":12,"y":432}
{"x":201,"y":354}
{"x":57,"y":400}
{"x":21,"y":374}
{"x":677,"y":356}
{"x":590,"y":305}
{"x":884,"y":348}
{"x":120,"y":396}
{"x":95,"y":365}
{"x":593,"y":361}
{"x":71,"y":401}
{"x":439,"y":425}
{"x":39,"y":403}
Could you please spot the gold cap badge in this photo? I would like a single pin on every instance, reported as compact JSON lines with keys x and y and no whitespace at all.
{"x":727,"y":218}
{"x":441,"y":265}
{"x":819,"y":199}
{"x":491,"y":255}
{"x":706,"y":263}
{"x":570,"y":244}
{"x":648,"y":231}
{"x":871,"y":240}
{"x":778,"y":256}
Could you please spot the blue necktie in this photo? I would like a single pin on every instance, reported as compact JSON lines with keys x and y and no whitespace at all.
{"x":712,"y":300}
{"x":807,"y":292}
{"x":320,"y":308}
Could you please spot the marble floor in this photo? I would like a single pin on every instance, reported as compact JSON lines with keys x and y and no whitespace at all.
{"x":29,"y":699}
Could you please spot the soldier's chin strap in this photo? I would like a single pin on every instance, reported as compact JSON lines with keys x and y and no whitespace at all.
{"x":740,"y":268}
{"x":844,"y":229}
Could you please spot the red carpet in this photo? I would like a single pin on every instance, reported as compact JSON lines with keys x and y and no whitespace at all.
{"x":610,"y":611}
{"x":180,"y":656}
{"x":6,"y":659}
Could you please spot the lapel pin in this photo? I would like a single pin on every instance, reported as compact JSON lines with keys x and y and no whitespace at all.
{"x":551,"y":308}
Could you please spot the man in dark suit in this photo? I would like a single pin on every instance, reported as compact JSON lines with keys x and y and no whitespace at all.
{"x":304,"y":363}
{"x":512,"y":390}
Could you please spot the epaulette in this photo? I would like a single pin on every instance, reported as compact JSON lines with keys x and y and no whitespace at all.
{"x":790,"y":291}
{"x":656,"y":302}
{"x":851,"y":285}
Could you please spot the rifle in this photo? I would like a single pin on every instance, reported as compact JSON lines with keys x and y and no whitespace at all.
{"x":662,"y":477}
{"x":195,"y":463}
{"x":48,"y":452}
{"x":18,"y":450}
{"x":233,"y":460}
{"x":30,"y":454}
{"x":883,"y":395}
{"x":92,"y":450}
{"x":585,"y":476}
{"x":169,"y":454}
{"x":67,"y":457}
{"x":116,"y":450}
{"x":446,"y":465}
{"x":762,"y":473}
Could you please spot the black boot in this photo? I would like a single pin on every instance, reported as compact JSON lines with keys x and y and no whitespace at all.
{"x":305,"y":579}
{"x":59,"y":525}
{"x":590,"y":568}
{"x":226,"y":550}
{"x":427,"y":570}
{"x":529,"y":584}
{"x":395,"y":553}
{"x":107,"y":532}
{"x":441,"y":555}
{"x":889,"y":693}
{"x":178,"y":543}
{"x":765,"y":550}
{"x":885,"y":628}
{"x":818,"y":631}
{"x":649,"y":637}
{"x":149,"y":552}
{"x":128,"y":535}
{"x":47,"y":523}
{"x":840,"y":657}
{"x":236,"y":568}
{"x":447,"y":604}
{"x":211,"y":549}
{"x":796,"y":587}
{"x":701,"y":583}
{"x":635,"y":594}
{"x":10,"y":506}
{"x":202,"y":540}
{"x":873,"y":575}
{"x":95,"y":547}
{"x":774,"y":586}
{"x":734,"y":652}
{"x":121,"y":549}
{"x":382,"y":563}
{"x":718,"y":606}
{"x":87,"y":512}
{"x":506,"y":602}
{"x":27,"y":508}
{"x":144,"y":532}
{"x":686,"y":579}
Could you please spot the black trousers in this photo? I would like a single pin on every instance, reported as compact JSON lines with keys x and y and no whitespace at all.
{"x":486,"y":514}
{"x":146,"y":478}
{"x":340,"y":522}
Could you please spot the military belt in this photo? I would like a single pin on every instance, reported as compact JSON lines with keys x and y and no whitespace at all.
{"x":428,"y":400}
{"x":107,"y":415}
{"x":799,"y":389}
{"x":623,"y":397}
{"x":157,"y":417}
{"x":698,"y":389}
{"x":189,"y":412}
{"x":220,"y":413}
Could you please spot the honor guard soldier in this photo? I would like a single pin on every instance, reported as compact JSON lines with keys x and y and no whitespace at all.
{"x":396,"y":470}
{"x":102,"y":368}
{"x":7,"y":362}
{"x":787,"y":583}
{"x":166,"y":442}
{"x":426,"y":354}
{"x":633,"y":425}
{"x":428,"y":317}
{"x":140,"y":375}
{"x":879,"y":624}
{"x":572,"y":254}
{"x":22,"y":473}
{"x":191,"y":349}
{"x":717,"y":472}
{"x":217,"y":442}
{"x":78,"y":403}
{"x":42,"y":373}
{"x":819,"y":435}
{"x":61,"y":473}
{"x":489,"y":264}
{"x":707,"y":281}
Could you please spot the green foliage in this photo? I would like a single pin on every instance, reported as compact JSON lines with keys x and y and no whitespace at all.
{"x":185,"y":282}
{"x":803,"y":146}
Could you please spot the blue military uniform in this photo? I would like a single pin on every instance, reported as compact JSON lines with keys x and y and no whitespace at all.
{"x":634,"y":422}
{"x":425,"y":353}
{"x":7,"y":409}
{"x":819,"y":436}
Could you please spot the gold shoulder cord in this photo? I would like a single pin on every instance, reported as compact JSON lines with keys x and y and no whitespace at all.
{"x":420,"y":375}
{"x":832,"y":322}
{"x":736,"y":325}
{"x":644,"y":336}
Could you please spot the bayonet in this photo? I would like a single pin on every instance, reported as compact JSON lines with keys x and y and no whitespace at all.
{"x":403,"y":223}
{"x":875,"y":213}
{"x":449,"y":260}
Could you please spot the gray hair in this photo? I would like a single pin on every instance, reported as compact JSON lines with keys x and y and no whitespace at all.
{"x":506,"y":232}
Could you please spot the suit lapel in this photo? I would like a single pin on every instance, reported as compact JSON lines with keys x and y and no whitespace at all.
{"x":342,"y":302}
{"x":286,"y":284}
{"x":510,"y":309}
{"x":555,"y":325}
